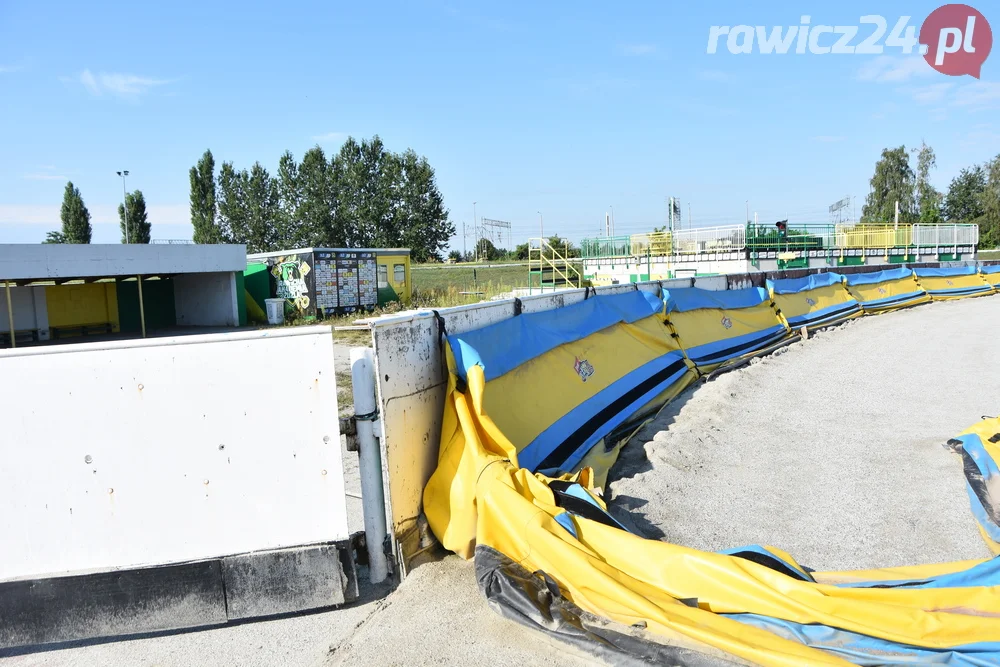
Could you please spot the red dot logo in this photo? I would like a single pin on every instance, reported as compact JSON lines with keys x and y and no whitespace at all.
{"x":956,"y":39}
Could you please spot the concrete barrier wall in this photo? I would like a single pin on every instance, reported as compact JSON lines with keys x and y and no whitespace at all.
{"x":140,"y":453}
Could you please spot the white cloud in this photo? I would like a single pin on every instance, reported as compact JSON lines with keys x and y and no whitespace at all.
{"x":967,"y":96}
{"x":978,"y":95}
{"x":331,"y":137}
{"x":100,"y":214}
{"x":828,"y":138}
{"x":894,"y":69}
{"x":45,"y":176}
{"x":8,"y":69}
{"x":713,"y":75}
{"x":932,"y":93}
{"x":126,"y":86}
{"x":639,"y":49}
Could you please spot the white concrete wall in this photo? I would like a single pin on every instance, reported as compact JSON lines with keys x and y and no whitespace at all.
{"x":24,"y":261}
{"x":30,"y":311}
{"x":166,"y":450}
{"x":206,"y":299}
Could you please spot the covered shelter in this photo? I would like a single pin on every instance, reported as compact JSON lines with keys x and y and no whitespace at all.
{"x":52,"y":291}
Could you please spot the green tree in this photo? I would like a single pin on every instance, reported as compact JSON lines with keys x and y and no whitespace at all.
{"x":422,"y":219}
{"x":249,"y":208}
{"x":364,"y":196}
{"x":138,"y":221}
{"x":928,"y":198}
{"x":315,"y":214}
{"x":55,"y":237}
{"x":289,"y":197}
{"x":455,"y":256}
{"x":488,"y":251}
{"x":521,"y":252}
{"x":989,"y":222}
{"x":75,"y":217}
{"x":892,"y":181}
{"x":202,"y":177}
{"x":964,"y":202}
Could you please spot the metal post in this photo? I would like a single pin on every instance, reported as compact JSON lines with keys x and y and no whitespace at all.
{"x":10,"y":313}
{"x":369,"y":461}
{"x":142,"y":311}
{"x":125,"y":206}
{"x":541,"y":227}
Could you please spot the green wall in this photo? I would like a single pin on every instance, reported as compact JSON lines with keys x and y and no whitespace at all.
{"x":157,"y":301}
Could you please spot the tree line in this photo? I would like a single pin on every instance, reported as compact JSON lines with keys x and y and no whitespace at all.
{"x":973,"y":196}
{"x":363,"y":196}
{"x":75,"y":218}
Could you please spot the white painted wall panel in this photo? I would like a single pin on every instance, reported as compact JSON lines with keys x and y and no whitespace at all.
{"x":25,"y":261}
{"x":165,"y":450}
{"x":29,"y":308}
{"x":206,"y":299}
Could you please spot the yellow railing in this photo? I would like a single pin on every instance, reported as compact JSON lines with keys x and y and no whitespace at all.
{"x":866,"y":235}
{"x":542,"y":256}
{"x":656,"y":243}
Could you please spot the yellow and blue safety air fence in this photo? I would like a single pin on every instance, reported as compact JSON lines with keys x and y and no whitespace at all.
{"x":537,"y":409}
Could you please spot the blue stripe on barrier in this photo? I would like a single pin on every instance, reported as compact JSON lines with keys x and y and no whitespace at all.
{"x":945,"y":272}
{"x":684,"y":299}
{"x":796,"y":285}
{"x":539,"y":449}
{"x":878,"y":276}
{"x":825,"y":315}
{"x":892,"y":300}
{"x":864,"y":650}
{"x":730,"y":348}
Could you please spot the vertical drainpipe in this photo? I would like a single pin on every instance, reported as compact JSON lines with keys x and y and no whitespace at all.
{"x":142,"y":311}
{"x":10,"y":313}
{"x":369,"y":460}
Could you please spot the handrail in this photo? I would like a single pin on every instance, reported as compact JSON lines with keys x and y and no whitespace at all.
{"x":543,"y":261}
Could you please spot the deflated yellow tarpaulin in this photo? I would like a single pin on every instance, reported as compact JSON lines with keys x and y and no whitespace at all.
{"x":479,"y":496}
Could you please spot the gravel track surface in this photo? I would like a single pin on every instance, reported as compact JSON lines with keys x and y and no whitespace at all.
{"x":830,"y":449}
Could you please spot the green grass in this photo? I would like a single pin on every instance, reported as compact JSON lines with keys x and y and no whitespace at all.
{"x":431,"y":278}
{"x":988,"y":254}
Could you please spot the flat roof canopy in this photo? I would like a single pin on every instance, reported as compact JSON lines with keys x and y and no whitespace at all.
{"x":295,"y":251}
{"x":23,"y":263}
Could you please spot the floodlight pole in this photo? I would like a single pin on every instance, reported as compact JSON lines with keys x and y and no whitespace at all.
{"x":123,"y":174}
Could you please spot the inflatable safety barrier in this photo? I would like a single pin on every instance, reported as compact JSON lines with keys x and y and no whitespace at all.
{"x":991,"y":274}
{"x":550,"y":556}
{"x":952,"y":283}
{"x":559,"y":382}
{"x":814,"y":301}
{"x":715,"y":328}
{"x":883,"y":291}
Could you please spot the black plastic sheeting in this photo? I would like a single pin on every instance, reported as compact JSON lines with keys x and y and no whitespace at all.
{"x":534,"y":600}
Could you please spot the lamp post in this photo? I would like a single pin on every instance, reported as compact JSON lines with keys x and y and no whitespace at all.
{"x":541,"y":228}
{"x":612,"y":220}
{"x":475,"y":229}
{"x":123,"y":174}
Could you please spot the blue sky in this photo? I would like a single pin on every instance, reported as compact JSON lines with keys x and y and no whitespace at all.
{"x":564,"y":108}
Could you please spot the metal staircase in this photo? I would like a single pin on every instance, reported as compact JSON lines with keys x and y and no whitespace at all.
{"x":549,"y":269}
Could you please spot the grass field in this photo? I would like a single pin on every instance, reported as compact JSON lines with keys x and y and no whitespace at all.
{"x":988,"y":254}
